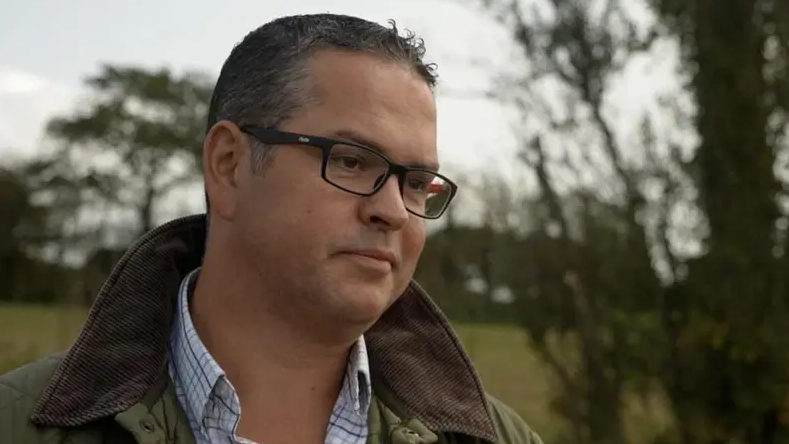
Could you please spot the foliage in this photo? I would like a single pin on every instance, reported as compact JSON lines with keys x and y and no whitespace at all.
{"x":116,"y":162}
{"x":136,"y":140}
{"x":606,"y":264}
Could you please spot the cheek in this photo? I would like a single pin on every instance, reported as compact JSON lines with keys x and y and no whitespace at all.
{"x":310,"y":218}
{"x":413,"y":241}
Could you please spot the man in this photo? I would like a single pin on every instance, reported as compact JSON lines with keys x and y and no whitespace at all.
{"x":291,"y":317}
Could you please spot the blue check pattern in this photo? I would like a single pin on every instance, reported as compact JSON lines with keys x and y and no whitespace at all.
{"x":211,"y":403}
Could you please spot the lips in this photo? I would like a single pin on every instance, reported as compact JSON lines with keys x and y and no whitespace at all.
{"x":379,"y":255}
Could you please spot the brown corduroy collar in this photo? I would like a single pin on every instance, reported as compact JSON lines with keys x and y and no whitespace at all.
{"x":121,"y":352}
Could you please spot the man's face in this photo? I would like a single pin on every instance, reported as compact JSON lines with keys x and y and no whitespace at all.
{"x":308,"y":241}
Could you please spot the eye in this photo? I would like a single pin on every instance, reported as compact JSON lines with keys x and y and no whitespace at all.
{"x":420,"y":181}
{"x":348,"y":162}
{"x":353,"y":159}
{"x":418,"y":184}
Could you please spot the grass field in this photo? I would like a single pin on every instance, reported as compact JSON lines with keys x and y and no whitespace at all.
{"x":509,"y":370}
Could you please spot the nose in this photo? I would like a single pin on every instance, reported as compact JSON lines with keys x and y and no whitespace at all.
{"x":385,"y":209}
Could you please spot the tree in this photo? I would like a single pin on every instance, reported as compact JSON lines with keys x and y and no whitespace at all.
{"x":136,"y":141}
{"x":26,"y":230}
{"x":607,"y":269}
{"x":585,"y":276}
{"x":729,"y":357}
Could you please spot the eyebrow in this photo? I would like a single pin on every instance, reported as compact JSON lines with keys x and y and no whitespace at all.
{"x":355,"y":137}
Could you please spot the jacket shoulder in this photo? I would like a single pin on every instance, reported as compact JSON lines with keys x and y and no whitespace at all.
{"x":28,"y":381}
{"x":511,"y":428}
{"x":19,"y":392}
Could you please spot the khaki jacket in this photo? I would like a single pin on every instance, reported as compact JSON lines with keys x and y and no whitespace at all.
{"x":112,"y":385}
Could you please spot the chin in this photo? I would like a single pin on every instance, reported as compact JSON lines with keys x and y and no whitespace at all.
{"x":361,"y":303}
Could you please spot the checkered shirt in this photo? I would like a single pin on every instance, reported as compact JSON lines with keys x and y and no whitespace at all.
{"x":211,"y":402}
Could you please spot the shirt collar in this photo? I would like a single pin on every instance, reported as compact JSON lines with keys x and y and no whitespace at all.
{"x":193,"y":369}
{"x":360,"y":385}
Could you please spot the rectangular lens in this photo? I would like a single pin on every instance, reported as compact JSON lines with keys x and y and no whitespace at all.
{"x":439,"y":193}
{"x":426,"y":193}
{"x":354,"y":168}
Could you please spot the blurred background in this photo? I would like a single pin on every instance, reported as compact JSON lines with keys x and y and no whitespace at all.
{"x":617,"y":261}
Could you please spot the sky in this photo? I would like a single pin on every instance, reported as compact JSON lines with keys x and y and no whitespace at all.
{"x":48,"y":46}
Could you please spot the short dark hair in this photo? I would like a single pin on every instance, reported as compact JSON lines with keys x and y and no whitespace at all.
{"x":265,"y":79}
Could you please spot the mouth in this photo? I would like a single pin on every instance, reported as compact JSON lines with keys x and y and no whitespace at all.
{"x":378,"y":258}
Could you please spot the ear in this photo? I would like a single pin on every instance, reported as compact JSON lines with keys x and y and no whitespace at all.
{"x":223,"y":151}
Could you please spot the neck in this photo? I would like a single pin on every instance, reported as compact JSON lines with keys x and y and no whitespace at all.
{"x":281,"y":372}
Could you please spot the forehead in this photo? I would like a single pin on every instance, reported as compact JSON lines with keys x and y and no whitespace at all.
{"x":382,"y":101}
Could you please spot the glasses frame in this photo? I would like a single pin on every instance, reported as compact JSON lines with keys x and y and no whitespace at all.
{"x":271,"y":136}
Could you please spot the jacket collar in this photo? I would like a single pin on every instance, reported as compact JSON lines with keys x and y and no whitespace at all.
{"x":120,"y":354}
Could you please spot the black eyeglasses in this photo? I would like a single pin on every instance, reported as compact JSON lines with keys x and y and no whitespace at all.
{"x":360,"y":170}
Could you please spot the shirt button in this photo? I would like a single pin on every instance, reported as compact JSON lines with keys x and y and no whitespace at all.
{"x":148,"y":425}
{"x":404,"y":435}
